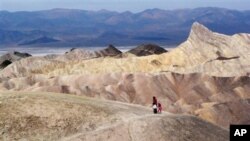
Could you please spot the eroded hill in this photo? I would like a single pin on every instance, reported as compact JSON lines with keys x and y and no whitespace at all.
{"x":50,"y":116}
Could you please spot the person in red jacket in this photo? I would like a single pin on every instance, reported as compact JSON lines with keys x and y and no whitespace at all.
{"x":154,"y":104}
{"x":159,"y":107}
{"x":154,"y":100}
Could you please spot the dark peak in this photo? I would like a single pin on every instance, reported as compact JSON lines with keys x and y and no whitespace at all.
{"x":147,"y":49}
{"x":111,"y":49}
{"x":72,"y":49}
{"x":16,"y":54}
{"x":19,"y":54}
{"x":148,"y":46}
{"x":111,"y":46}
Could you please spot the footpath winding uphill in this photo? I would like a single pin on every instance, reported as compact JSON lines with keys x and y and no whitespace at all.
{"x":51,"y":116}
{"x":207,"y":76}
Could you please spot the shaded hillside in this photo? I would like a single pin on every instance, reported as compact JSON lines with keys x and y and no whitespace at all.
{"x":75,"y":27}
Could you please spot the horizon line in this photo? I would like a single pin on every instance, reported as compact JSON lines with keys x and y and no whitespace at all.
{"x":50,"y":9}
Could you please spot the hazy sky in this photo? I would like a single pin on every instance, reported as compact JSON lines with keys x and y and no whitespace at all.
{"x":120,"y":5}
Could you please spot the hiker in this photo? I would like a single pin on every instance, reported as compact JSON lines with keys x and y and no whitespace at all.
{"x":154,"y":108}
{"x":154,"y":100}
{"x":159,"y":107}
{"x":154,"y":104}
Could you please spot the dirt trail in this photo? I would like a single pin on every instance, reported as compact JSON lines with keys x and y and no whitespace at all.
{"x":114,"y":125}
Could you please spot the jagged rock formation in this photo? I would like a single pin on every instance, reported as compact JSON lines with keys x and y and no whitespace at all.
{"x":81,"y":54}
{"x":43,"y":116}
{"x":10,"y":57}
{"x":147,"y":49}
{"x":214,"y":53}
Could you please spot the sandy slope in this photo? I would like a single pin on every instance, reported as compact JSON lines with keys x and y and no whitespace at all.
{"x":50,"y":116}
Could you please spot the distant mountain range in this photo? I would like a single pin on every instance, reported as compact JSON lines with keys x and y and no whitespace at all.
{"x":66,"y":27}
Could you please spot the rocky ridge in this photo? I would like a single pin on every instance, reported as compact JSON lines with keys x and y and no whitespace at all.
{"x":81,"y":54}
{"x":204,"y":52}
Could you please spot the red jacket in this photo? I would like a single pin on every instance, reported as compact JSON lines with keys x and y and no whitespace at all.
{"x":159,"y":107}
{"x":154,"y":100}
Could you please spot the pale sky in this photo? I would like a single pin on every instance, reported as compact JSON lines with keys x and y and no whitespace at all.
{"x":120,"y":5}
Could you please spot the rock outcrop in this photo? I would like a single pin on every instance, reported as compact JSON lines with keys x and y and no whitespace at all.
{"x":4,"y":64}
{"x":213,"y":53}
{"x":10,"y":57}
{"x":81,"y":54}
{"x":147,"y":49}
{"x":50,"y":117}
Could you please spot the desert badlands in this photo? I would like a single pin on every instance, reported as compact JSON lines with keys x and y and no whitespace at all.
{"x":203,"y":84}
